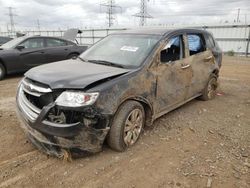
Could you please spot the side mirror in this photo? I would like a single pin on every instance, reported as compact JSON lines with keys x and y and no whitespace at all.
{"x":20,"y":47}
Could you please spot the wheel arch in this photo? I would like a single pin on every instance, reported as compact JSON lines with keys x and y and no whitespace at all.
{"x":71,"y":53}
{"x":2,"y":63}
{"x":148,"y":108}
{"x":216,"y":72}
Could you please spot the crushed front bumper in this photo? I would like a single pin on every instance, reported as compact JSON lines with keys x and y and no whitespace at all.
{"x":52,"y":138}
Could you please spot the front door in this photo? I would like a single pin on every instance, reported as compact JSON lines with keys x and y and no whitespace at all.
{"x":202,"y":62}
{"x":173,"y":75}
{"x":33,"y":53}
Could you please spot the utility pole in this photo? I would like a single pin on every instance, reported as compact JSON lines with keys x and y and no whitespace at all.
{"x":12,"y":23}
{"x":143,"y":14}
{"x":7,"y":27}
{"x":38,"y":26}
{"x":111,"y":8}
{"x":238,"y":16}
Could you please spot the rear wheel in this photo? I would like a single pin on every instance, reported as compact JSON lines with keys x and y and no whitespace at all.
{"x":126,"y":126}
{"x":72,"y":56}
{"x":210,"y":89}
{"x":2,"y":72}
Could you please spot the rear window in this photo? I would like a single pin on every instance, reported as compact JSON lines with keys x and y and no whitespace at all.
{"x":195,"y":44}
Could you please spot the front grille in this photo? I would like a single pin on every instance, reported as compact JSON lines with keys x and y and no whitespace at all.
{"x":32,"y":97}
{"x":27,"y":107}
{"x":35,"y":88}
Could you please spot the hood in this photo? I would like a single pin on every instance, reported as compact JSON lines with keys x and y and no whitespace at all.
{"x":72,"y":74}
{"x":71,"y":34}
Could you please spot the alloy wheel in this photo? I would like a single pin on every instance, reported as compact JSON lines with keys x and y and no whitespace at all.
{"x":133,"y":127}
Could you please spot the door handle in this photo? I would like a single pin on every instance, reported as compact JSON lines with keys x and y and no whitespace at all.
{"x":184,"y":66}
{"x":208,"y":58}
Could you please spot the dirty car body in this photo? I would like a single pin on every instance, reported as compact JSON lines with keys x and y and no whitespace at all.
{"x":160,"y":69}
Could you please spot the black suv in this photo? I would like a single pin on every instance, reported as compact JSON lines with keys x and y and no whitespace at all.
{"x":115,"y":88}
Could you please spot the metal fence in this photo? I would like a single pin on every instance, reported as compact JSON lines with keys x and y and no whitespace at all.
{"x":231,"y":38}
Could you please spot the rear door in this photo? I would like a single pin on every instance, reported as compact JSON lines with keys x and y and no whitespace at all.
{"x":202,"y":62}
{"x":33,"y":53}
{"x":213,"y":46}
{"x":57,"y":49}
{"x":173,"y":75}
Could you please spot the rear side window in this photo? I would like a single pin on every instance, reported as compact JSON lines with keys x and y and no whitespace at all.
{"x":195,"y":44}
{"x":211,"y":41}
{"x":55,"y":43}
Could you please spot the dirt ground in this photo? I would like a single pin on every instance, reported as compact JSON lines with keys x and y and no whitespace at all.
{"x":201,"y":144}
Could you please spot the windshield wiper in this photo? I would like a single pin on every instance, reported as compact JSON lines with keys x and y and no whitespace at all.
{"x":108,"y":63}
{"x":85,"y":60}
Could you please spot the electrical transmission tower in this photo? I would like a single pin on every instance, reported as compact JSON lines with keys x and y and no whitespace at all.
{"x":111,"y":8}
{"x":238,"y":16}
{"x":11,"y":15}
{"x":143,"y":14}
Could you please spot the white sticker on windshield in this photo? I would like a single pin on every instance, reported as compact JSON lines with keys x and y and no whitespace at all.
{"x":129,"y":48}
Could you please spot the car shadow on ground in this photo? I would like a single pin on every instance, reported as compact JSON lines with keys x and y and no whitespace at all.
{"x":13,"y":76}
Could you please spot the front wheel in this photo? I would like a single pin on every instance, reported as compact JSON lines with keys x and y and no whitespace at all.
{"x":2,"y":72}
{"x":210,"y":90}
{"x":127,"y":126}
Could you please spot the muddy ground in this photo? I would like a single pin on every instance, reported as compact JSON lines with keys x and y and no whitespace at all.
{"x":201,"y":144}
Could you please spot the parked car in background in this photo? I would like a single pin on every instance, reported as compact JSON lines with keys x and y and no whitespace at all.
{"x":4,"y":40}
{"x":23,"y":53}
{"x":115,"y":88}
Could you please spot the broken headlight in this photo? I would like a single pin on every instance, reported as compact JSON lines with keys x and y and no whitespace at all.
{"x":76,"y":99}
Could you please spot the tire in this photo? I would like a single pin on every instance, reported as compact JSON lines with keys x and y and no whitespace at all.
{"x":72,"y":56}
{"x":2,"y":72}
{"x":210,"y":90}
{"x":124,"y":131}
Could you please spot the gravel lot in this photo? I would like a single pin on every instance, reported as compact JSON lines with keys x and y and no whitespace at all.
{"x":201,"y":144}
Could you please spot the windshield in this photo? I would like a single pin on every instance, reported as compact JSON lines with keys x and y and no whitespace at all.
{"x":4,"y":40}
{"x":128,"y":51}
{"x":13,"y":42}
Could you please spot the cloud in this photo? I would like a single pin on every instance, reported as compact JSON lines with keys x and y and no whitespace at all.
{"x":54,"y":14}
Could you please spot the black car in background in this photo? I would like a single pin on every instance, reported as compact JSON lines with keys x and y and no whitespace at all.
{"x":23,"y":53}
{"x":4,"y":40}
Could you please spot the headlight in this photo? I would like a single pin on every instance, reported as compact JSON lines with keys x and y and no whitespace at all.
{"x":76,"y":99}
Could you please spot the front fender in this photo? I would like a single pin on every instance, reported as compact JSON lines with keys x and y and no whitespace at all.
{"x":138,"y":86}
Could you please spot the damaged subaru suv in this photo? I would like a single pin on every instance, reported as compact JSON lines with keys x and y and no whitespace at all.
{"x":115,"y":88}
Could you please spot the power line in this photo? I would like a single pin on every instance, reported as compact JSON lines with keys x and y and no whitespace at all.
{"x":143,"y":14}
{"x":111,"y":8}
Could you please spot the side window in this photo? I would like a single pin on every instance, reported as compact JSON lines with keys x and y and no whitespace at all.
{"x":173,"y":50}
{"x":211,"y":41}
{"x":195,"y":44}
{"x":55,"y":42}
{"x":33,"y":43}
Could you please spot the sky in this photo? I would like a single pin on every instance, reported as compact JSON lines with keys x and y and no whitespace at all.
{"x":63,"y":14}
